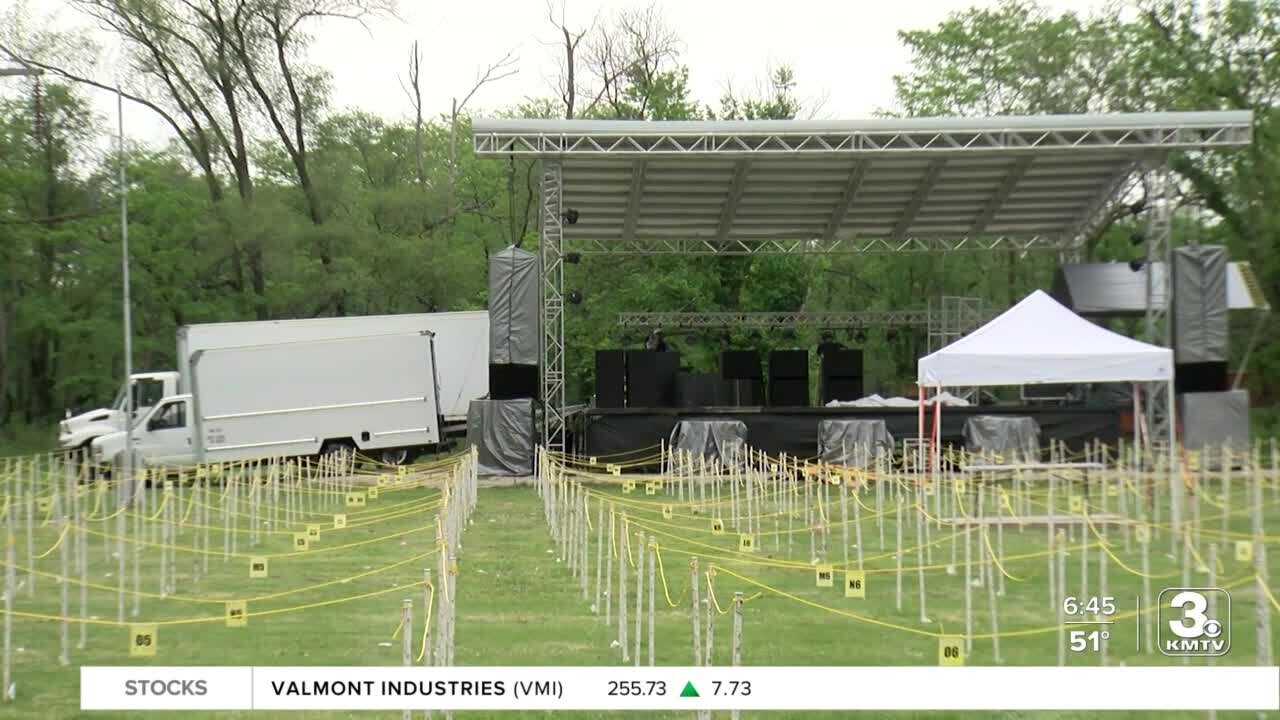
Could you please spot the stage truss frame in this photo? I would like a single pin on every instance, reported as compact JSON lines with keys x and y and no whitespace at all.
{"x":887,"y":185}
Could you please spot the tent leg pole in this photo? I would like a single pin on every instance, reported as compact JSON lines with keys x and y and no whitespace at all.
{"x":920,"y":430}
{"x":1175,"y":490}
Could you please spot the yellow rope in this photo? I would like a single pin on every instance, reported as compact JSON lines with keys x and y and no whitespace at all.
{"x":662,"y":573}
{"x":1267,"y":591}
{"x":986,"y":538}
{"x":835,"y":611}
{"x":711,"y":591}
{"x":1103,"y":543}
{"x":426,"y":622}
{"x":61,"y":537}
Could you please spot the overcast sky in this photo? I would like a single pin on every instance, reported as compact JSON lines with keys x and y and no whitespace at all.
{"x":844,"y":52}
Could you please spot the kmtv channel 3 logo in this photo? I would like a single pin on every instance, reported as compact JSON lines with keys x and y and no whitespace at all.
{"x":1188,"y":628}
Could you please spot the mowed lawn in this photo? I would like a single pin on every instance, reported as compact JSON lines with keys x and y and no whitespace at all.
{"x":519,"y":605}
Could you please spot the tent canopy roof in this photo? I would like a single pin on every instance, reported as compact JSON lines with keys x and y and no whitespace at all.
{"x":1040,"y":341}
{"x":847,"y":185}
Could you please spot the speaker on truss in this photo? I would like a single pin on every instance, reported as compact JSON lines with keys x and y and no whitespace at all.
{"x":512,"y":381}
{"x":1203,"y":377}
{"x":611,"y":378}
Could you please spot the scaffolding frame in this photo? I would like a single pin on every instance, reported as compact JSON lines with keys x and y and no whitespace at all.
{"x":886,"y":185}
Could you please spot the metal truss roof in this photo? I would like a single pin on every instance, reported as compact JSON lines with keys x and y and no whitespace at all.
{"x":888,"y":185}
{"x":766,"y":320}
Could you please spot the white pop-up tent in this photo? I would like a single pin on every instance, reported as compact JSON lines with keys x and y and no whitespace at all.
{"x":1039,"y":341}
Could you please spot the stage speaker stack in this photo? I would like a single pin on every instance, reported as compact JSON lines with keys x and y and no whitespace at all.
{"x":789,"y":378}
{"x":651,"y":378}
{"x":1199,"y":315}
{"x":741,"y":370}
{"x":611,"y":378}
{"x":698,"y":390}
{"x":514,"y":325}
{"x":1210,"y":415}
{"x":841,"y":376}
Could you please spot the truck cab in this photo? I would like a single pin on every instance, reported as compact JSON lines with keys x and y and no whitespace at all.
{"x":79,"y":431}
{"x":161,"y":437}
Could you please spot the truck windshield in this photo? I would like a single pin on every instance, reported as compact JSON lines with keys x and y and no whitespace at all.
{"x":146,"y":393}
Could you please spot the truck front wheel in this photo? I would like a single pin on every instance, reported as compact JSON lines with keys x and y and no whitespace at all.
{"x":394,"y":456}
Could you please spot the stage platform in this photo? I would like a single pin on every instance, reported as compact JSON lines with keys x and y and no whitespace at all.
{"x":633,"y":433}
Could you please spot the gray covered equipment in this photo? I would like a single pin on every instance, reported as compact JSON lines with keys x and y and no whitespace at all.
{"x":514,"y":306}
{"x":713,"y":439}
{"x":1003,"y":438}
{"x":1212,"y":421}
{"x":502,"y":432}
{"x":853,"y":442}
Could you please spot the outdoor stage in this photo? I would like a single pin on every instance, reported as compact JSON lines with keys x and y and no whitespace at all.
{"x":632,"y":433}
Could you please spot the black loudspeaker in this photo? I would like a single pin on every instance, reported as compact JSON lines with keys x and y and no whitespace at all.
{"x":841,"y":376}
{"x":668,"y":367}
{"x":642,"y":378}
{"x":789,"y":392}
{"x":651,"y":378}
{"x":508,"y":381}
{"x":740,"y":365}
{"x":789,"y":364}
{"x":701,"y":390}
{"x":789,"y":378}
{"x":611,"y":378}
{"x":745,"y":393}
{"x":1203,"y":377}
{"x":842,"y":363}
{"x":839,"y":388}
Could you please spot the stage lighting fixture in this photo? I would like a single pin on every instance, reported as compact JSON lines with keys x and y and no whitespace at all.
{"x":571,"y":216}
{"x":1136,"y":264}
{"x":1137,"y":238}
{"x":574,"y":297}
{"x":573,"y":258}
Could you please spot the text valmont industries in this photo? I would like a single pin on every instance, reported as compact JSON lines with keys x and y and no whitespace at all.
{"x":398,"y":688}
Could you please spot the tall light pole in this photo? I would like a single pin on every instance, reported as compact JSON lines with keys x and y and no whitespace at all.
{"x":127,"y":307}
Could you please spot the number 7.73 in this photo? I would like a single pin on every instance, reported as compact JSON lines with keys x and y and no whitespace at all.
{"x":739,"y":688}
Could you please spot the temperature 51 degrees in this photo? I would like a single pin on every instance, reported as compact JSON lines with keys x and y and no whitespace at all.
{"x":1088,"y":640}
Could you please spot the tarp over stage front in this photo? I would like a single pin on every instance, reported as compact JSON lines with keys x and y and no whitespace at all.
{"x":632,"y":434}
{"x":1040,"y":341}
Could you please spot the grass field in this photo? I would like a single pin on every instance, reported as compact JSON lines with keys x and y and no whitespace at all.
{"x":518,"y":604}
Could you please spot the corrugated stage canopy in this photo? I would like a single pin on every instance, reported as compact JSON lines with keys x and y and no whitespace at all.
{"x":1117,"y":290}
{"x":853,"y":186}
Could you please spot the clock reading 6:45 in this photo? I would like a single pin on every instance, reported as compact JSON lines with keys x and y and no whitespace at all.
{"x":1105,"y":605}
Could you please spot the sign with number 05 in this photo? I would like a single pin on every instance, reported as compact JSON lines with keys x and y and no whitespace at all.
{"x":143,"y":640}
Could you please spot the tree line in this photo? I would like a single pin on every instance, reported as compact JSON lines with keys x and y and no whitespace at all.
{"x":270,"y":202}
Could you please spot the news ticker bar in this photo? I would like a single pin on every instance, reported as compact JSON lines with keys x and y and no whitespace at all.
{"x":680,"y":688}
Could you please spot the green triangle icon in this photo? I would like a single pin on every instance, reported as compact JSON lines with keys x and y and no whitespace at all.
{"x":689,"y":690}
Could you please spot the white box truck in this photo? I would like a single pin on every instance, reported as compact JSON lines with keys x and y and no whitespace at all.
{"x":462,"y":351}
{"x":375,"y":394}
